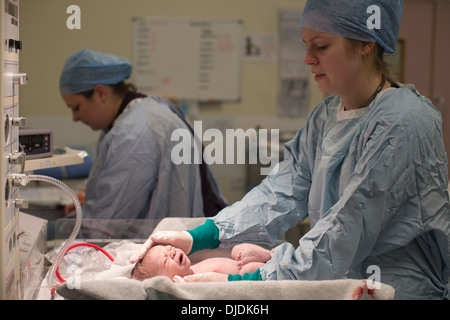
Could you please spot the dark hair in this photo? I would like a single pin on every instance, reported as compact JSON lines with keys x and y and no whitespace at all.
{"x":120,"y":89}
{"x":136,"y":271}
{"x":141,"y":272}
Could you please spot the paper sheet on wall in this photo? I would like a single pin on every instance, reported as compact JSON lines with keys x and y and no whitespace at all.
{"x":294,"y":73}
{"x":261,"y":47}
{"x":188,"y":59}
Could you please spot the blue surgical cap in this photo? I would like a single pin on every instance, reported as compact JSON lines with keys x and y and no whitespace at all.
{"x":365,"y":20}
{"x":87,"y":68}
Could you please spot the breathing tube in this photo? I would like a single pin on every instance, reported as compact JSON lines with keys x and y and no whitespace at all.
{"x":22,"y":180}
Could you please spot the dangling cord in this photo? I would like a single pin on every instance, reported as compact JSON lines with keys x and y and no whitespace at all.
{"x":380,"y":87}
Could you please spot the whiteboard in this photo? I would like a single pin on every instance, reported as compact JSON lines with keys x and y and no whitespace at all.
{"x":187,"y":59}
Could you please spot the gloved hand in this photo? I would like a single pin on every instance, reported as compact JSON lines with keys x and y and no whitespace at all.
{"x":203,"y":277}
{"x":178,"y":239}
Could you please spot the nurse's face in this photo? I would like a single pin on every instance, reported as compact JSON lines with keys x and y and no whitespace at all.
{"x":93,"y":111}
{"x":335,"y":64}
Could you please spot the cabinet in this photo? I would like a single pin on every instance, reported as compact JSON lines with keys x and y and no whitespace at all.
{"x":425,"y":32}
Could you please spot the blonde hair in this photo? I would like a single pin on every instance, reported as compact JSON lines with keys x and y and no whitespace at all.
{"x":376,"y":55}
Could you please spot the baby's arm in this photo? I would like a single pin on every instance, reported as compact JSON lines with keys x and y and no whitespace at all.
{"x":225,"y":266}
{"x":245,"y":253}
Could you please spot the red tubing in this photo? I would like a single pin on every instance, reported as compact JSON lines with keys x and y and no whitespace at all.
{"x":83,"y":245}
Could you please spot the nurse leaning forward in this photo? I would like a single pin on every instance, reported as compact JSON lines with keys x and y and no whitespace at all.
{"x":132,"y":176}
{"x":369,"y":170}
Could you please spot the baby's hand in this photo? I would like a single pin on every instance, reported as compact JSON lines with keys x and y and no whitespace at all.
{"x":245,"y":253}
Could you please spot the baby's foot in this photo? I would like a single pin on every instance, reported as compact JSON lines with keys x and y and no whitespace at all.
{"x":246,"y":252}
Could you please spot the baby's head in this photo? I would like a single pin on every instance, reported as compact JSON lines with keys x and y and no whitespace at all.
{"x":162,"y":261}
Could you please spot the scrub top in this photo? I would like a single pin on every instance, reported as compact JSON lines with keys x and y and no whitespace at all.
{"x":373,"y":183}
{"x":133,"y":175}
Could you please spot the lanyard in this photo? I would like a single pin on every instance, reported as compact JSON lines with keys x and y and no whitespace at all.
{"x":372,"y":97}
{"x":380,"y":87}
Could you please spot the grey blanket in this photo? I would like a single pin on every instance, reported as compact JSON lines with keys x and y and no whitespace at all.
{"x":162,"y":288}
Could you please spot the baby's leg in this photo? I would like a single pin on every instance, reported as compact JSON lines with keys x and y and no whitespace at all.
{"x":246,"y":252}
{"x":250,"y":267}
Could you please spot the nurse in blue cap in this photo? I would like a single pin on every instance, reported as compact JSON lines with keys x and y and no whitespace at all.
{"x":368,"y":169}
{"x":133,"y":175}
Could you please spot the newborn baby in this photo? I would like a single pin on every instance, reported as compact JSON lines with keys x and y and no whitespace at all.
{"x":170,"y":261}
